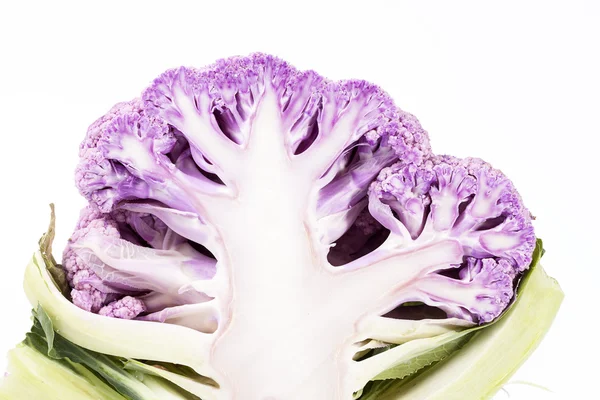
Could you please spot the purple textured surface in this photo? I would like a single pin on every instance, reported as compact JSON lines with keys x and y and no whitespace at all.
{"x":139,"y":155}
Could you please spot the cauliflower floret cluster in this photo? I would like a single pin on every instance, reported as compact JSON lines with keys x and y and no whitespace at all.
{"x":158,"y":169}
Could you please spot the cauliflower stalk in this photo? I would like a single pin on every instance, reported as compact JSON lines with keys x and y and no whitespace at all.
{"x":257,"y":232}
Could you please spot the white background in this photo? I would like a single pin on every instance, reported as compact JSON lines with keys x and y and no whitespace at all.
{"x":516,"y":83}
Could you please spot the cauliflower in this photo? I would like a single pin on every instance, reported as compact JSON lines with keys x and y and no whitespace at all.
{"x":284,"y":237}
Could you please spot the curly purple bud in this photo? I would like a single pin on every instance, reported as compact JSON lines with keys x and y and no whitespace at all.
{"x":125,"y":308}
{"x":465,"y":199}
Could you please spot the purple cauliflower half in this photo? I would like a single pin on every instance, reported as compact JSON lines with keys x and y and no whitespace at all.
{"x":309,"y":174}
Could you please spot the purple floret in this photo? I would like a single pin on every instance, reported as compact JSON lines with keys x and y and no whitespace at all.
{"x":497,"y":276}
{"x":122,"y":151}
{"x":116,"y":262}
{"x":466,"y":200}
{"x":185,"y":130}
{"x":151,"y":169}
{"x":227,"y":92}
{"x":89,"y":291}
{"x":85,"y":282}
{"x":88,"y":300}
{"x":484,"y":290}
{"x":126,"y":308}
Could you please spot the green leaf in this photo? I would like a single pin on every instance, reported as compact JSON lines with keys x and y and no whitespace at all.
{"x":32,"y":375}
{"x":132,"y":379}
{"x":41,"y":318}
{"x":56,"y":271}
{"x":418,"y":362}
{"x":186,"y":385}
{"x":375,"y":388}
{"x":111,"y":369}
